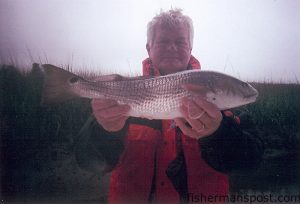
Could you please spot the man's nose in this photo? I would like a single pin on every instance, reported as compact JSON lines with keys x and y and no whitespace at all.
{"x":171,"y":46}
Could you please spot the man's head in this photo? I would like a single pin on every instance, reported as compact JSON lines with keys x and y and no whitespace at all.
{"x":170,"y":41}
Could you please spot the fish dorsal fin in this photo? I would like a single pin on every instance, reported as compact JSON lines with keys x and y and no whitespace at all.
{"x":110,"y":77}
{"x":57,"y":86}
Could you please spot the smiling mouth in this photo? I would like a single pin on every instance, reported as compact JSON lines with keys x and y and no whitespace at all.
{"x":171,"y":60}
{"x":171,"y":57}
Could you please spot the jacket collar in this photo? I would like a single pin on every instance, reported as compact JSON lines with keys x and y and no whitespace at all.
{"x":149,"y":70}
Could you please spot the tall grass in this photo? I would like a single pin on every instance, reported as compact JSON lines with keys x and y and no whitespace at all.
{"x":276,"y":112}
{"x":276,"y":117}
{"x":35,"y":139}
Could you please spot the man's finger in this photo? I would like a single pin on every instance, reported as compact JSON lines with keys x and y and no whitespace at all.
{"x":99,"y":104}
{"x":196,"y":125}
{"x":210,"y":117}
{"x":113,"y":119}
{"x":181,"y":123}
{"x":194,"y":111}
{"x":191,"y":110}
{"x":113,"y":111}
{"x":114,"y":126}
{"x":208,"y":107}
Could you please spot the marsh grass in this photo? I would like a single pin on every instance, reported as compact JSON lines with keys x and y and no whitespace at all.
{"x":276,"y":112}
{"x":37,"y":142}
{"x":276,"y":117}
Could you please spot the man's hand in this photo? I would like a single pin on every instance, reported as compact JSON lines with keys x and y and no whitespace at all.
{"x":201,"y":117}
{"x":109,"y":114}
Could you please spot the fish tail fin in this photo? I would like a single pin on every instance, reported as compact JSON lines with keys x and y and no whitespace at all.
{"x":57,"y":87}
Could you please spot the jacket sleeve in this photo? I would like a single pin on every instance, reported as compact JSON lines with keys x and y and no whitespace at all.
{"x":235,"y":146}
{"x":97,"y":150}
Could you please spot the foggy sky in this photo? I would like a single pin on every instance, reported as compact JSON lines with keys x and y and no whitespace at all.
{"x":251,"y":39}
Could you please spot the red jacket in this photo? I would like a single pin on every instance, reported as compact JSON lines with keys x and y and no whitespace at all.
{"x":147,"y":155}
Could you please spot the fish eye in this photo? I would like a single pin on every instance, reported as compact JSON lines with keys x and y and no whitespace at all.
{"x":74,"y":80}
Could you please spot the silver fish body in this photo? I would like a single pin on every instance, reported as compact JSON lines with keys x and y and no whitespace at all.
{"x":152,"y":98}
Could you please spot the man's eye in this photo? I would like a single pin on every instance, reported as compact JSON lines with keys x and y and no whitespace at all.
{"x":181,"y":43}
{"x":163,"y":42}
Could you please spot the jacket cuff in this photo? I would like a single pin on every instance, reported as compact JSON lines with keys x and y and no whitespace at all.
{"x":96,"y":149}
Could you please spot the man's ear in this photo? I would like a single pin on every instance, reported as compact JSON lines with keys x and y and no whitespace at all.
{"x":148,"y":48}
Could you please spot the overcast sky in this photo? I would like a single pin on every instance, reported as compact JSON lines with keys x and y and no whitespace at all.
{"x":251,"y":39}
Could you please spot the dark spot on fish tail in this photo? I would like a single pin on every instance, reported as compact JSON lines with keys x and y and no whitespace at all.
{"x":213,"y":98}
{"x":74,"y":80}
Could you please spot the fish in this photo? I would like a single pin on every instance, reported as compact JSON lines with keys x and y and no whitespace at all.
{"x":149,"y":97}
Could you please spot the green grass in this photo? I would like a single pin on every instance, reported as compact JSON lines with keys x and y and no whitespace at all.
{"x":276,"y":112}
{"x":37,"y":141}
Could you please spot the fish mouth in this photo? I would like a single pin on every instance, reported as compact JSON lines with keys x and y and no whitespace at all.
{"x":251,"y":95}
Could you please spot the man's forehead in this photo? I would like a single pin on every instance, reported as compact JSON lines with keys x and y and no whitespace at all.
{"x":180,"y":29}
{"x":168,"y":27}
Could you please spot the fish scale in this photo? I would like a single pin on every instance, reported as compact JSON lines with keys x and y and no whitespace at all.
{"x":153,"y":98}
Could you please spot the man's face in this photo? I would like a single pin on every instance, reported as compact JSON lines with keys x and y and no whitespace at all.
{"x":170,"y":49}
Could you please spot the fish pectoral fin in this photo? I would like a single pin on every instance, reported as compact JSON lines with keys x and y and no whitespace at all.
{"x":196,"y":89}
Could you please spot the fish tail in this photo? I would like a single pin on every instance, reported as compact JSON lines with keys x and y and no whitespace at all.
{"x":57,"y":87}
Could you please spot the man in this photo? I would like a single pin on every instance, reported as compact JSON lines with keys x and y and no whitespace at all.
{"x":167,"y":161}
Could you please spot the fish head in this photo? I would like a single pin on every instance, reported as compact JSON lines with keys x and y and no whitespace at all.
{"x":228,"y":92}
